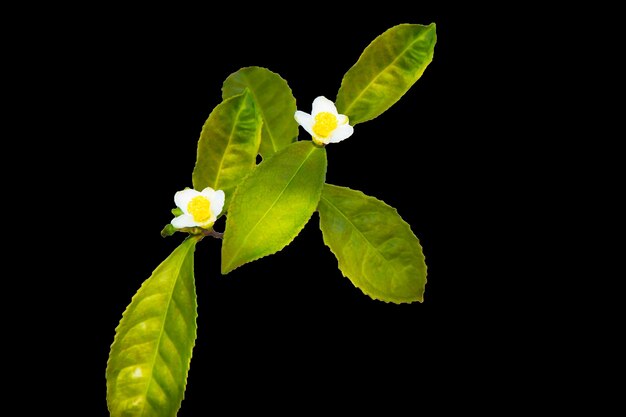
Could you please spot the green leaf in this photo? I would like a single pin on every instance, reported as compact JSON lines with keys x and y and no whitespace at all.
{"x":228,"y":145}
{"x":149,"y":359}
{"x":386,"y":70}
{"x":274,"y":101}
{"x":375,"y":248}
{"x":272,"y":205}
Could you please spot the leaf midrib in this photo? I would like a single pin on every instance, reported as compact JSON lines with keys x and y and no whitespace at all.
{"x":164,"y":316}
{"x":230,"y":137}
{"x":245,"y":239}
{"x":265,"y":124}
{"x":419,"y":38}
{"x":357,"y":229}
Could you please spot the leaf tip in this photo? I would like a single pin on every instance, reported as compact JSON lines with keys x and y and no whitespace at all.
{"x":432,"y":31}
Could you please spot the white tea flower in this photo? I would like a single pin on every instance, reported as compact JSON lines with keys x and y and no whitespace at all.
{"x":200,"y":208}
{"x":324,"y":124}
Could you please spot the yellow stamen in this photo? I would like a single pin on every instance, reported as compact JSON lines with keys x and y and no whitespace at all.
{"x":200,"y":208}
{"x":325,"y":123}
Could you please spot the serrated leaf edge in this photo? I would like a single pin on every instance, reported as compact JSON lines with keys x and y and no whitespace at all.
{"x":246,"y":93}
{"x":195,"y":319}
{"x":371,"y":295}
{"x":346,"y":110}
{"x":319,"y":193}
{"x":260,"y":108}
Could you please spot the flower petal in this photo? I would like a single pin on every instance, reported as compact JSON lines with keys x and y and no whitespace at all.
{"x":182,"y":198}
{"x":208,"y":192}
{"x":305,"y":120}
{"x":184,"y":220}
{"x":217,"y":203}
{"x":321,"y":104}
{"x":342,"y":132}
{"x":342,"y":119}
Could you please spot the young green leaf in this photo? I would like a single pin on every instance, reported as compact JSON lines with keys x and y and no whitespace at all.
{"x":375,"y":248}
{"x":228,"y":145}
{"x":272,"y":205}
{"x":274,"y":101}
{"x":386,"y":70}
{"x":149,"y":359}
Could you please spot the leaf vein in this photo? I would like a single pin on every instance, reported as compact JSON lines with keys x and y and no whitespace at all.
{"x":357,"y":229}
{"x":230,"y":138}
{"x":265,"y":125}
{"x":271,"y":207}
{"x":164,"y":315}
{"x":384,"y":70}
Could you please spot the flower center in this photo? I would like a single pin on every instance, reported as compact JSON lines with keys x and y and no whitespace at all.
{"x":200,"y":208}
{"x":325,"y":123}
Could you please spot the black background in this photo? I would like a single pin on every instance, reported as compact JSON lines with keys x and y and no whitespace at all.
{"x":286,"y":332}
